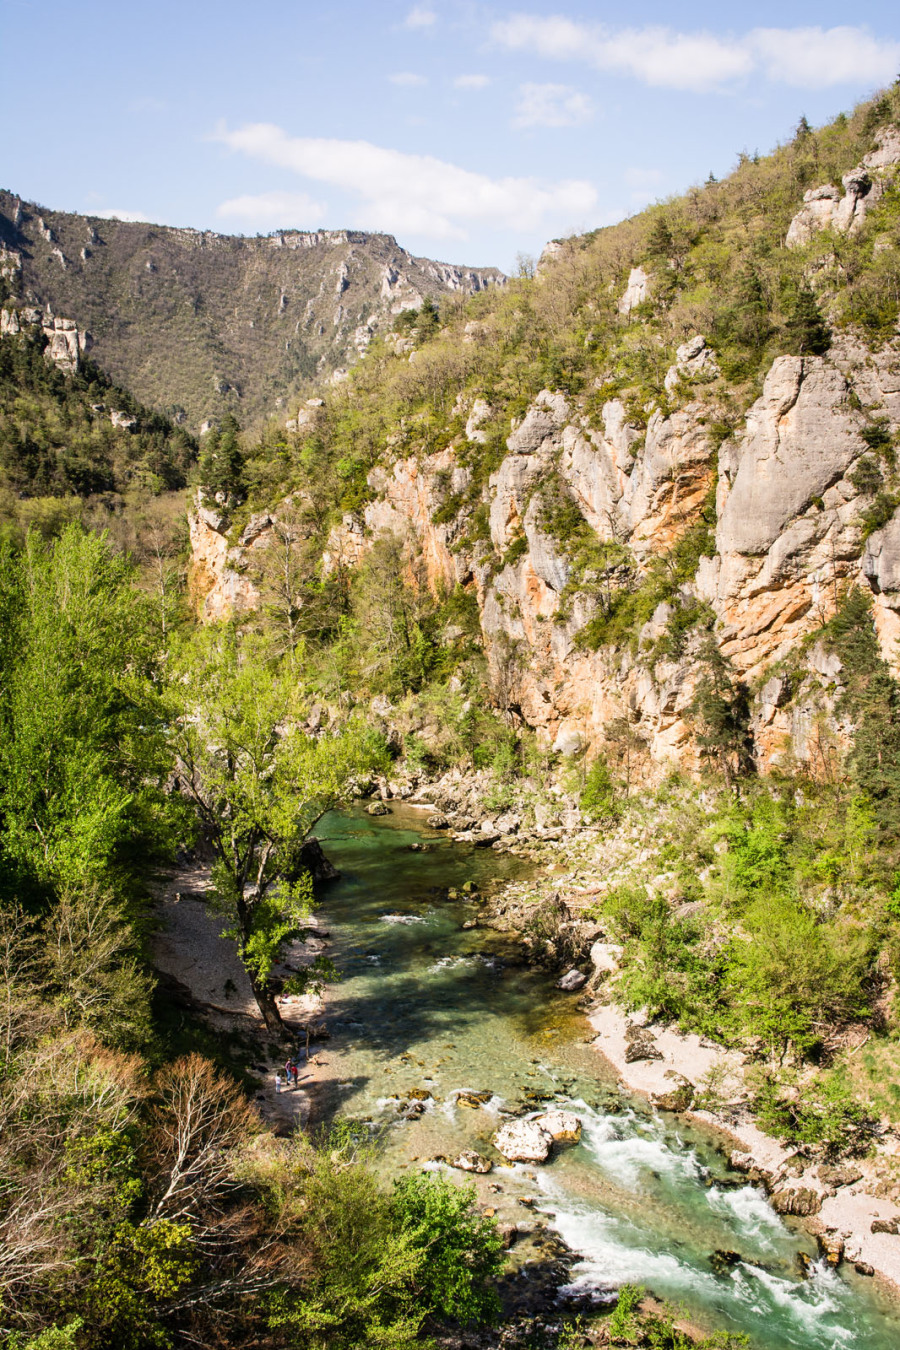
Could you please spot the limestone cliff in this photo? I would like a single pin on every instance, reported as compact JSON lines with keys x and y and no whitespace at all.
{"x":712,"y":469}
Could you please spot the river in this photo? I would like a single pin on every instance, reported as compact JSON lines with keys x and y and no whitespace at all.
{"x":427,"y":1005}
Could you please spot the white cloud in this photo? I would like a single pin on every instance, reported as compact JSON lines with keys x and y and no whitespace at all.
{"x":416,"y":194}
{"x":271,"y":209}
{"x":113,"y":213}
{"x":551,"y":105}
{"x":408,"y":78}
{"x":471,"y":81}
{"x":420,"y":16}
{"x":806,"y":57}
{"x":815,"y":57}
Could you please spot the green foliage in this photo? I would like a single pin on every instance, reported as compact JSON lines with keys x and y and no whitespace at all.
{"x":258,"y":783}
{"x":626,"y":608}
{"x":461,"y":1252}
{"x":629,"y":1325}
{"x":83,"y":760}
{"x":221,"y":468}
{"x":806,"y":329}
{"x":600,"y":793}
{"x":872,"y":700}
{"x":721,"y":708}
{"x":822,"y":1112}
{"x":57,"y":438}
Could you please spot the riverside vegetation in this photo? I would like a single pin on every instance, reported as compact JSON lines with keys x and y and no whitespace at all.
{"x":141,"y":1201}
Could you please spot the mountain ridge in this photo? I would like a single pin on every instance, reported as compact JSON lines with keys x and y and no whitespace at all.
{"x":199,"y":324}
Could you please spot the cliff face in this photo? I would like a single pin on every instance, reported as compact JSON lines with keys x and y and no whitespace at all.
{"x":200,"y":323}
{"x":789,"y":535}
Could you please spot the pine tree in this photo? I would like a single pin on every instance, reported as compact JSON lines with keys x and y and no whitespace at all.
{"x":805,"y":323}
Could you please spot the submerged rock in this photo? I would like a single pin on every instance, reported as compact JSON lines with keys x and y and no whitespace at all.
{"x":572,"y":981}
{"x":470,"y":1161}
{"x":523,"y":1141}
{"x":563,"y":1127}
{"x":473,"y":1099}
{"x":724,"y":1261}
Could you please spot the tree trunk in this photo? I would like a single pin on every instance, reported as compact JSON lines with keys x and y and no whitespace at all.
{"x":265,"y":1001}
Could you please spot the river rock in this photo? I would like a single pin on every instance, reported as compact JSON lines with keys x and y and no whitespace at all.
{"x":891,"y":1226}
{"x":839,"y":1174}
{"x":563,"y":1127}
{"x":419,"y":1095}
{"x":523,"y":1141}
{"x":723,"y":1261}
{"x":438,"y":821}
{"x":799,"y":1200}
{"x":473,"y":1099}
{"x":378,"y":809}
{"x":679,"y":1097}
{"x":572,"y":981}
{"x":642,"y":1047}
{"x":606,"y":957}
{"x":470,"y":1161}
{"x":314,"y":861}
{"x":832,"y":1245}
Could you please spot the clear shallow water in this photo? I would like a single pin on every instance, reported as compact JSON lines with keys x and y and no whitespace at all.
{"x":644,"y":1198}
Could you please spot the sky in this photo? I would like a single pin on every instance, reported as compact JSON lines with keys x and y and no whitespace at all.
{"x":473,"y":132}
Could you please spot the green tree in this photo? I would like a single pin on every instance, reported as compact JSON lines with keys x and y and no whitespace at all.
{"x":805,"y":324}
{"x":83,"y":759}
{"x":221,"y":468}
{"x":258,"y":783}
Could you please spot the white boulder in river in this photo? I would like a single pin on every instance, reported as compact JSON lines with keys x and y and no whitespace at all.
{"x":523,"y":1141}
{"x":563,"y":1127}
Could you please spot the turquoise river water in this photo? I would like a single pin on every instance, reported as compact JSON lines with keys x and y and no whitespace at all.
{"x":644,"y":1198}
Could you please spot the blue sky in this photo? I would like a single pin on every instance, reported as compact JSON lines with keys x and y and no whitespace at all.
{"x":472,"y":131}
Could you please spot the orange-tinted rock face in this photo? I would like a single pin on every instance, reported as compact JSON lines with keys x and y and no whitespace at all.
{"x":789,"y":537}
{"x":217,"y":586}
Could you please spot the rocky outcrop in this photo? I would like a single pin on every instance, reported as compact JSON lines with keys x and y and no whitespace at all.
{"x":791,"y":501}
{"x":827,"y":208}
{"x":65,"y":343}
{"x":637,"y":292}
{"x":790,"y":526}
{"x":218,"y":584}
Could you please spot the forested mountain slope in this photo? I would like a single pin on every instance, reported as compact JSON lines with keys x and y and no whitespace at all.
{"x":199,"y":324}
{"x":656,"y":467}
{"x":70,"y":436}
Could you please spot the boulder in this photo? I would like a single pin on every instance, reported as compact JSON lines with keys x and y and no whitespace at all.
{"x":640,"y":1048}
{"x":605,"y":957}
{"x":313,"y":860}
{"x":572,"y":981}
{"x":563,"y":1127}
{"x":470,"y":1161}
{"x":523,"y":1141}
{"x":838,"y":1174}
{"x":832,"y":1245}
{"x":438,"y":821}
{"x":891,"y":1226}
{"x":378,"y":809}
{"x":799,"y":1200}
{"x":680,"y":1096}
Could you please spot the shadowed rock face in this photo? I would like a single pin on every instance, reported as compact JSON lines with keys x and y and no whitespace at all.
{"x":210,"y":323}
